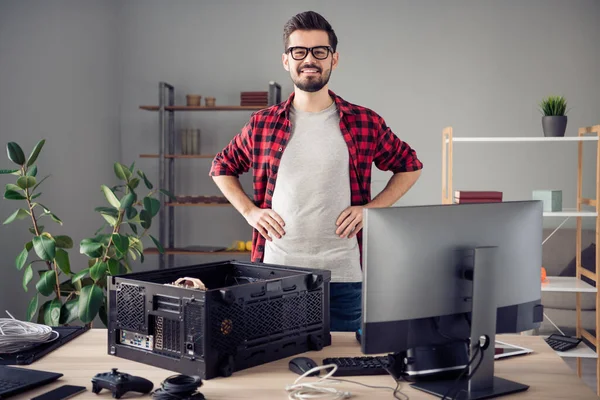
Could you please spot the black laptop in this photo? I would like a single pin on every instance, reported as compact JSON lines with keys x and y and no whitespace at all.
{"x":17,"y":380}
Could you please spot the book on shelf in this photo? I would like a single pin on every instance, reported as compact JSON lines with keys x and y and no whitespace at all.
{"x":477,"y":194}
{"x":465,"y":201}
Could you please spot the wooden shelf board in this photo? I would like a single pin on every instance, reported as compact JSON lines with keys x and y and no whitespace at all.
{"x":526,"y":139}
{"x":204,"y":108}
{"x":211,"y":156}
{"x":582,"y":350}
{"x":198,"y":204}
{"x":174,"y":251}
{"x":573,"y":213}
{"x":567,"y":284}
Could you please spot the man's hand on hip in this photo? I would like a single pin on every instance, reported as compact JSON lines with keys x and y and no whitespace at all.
{"x":349,"y":222}
{"x":267,"y":222}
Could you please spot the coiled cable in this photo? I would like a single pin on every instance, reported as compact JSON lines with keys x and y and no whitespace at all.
{"x":179,"y":387}
{"x":16,"y":336}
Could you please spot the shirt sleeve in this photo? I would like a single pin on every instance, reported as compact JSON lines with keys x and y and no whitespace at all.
{"x":236,"y":157}
{"x":393,"y":154}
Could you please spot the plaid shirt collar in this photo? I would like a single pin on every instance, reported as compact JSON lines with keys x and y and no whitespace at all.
{"x":343,"y":106}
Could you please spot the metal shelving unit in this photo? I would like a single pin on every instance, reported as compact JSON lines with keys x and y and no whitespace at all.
{"x":166,"y":156}
{"x":554,"y":284}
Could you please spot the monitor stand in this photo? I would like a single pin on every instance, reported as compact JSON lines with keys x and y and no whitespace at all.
{"x":480,"y":382}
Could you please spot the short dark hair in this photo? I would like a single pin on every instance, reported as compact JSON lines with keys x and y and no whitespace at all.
{"x":308,"y":20}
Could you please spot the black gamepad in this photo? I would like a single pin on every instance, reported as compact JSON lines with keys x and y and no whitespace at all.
{"x":120,"y":383}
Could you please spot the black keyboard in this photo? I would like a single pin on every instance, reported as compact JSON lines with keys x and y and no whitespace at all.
{"x":359,"y":366}
{"x":562,"y":343}
{"x":8,"y":385}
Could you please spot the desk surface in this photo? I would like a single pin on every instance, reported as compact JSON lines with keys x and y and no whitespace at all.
{"x":546,"y":374}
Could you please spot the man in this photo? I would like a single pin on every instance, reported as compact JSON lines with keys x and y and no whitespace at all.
{"x":311,"y":158}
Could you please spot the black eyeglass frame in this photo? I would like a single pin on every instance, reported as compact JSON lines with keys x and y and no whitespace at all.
{"x":311,"y":50}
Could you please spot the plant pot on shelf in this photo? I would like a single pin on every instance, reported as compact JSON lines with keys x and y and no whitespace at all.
{"x":554,"y":126}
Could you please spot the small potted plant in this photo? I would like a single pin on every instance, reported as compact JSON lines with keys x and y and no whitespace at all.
{"x":554,"y":120}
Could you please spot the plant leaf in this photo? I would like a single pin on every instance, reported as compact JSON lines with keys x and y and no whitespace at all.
{"x":90,"y":300}
{"x":55,"y":218}
{"x":151,"y":205}
{"x":22,"y":257}
{"x":127,"y":200}
{"x":80,"y":275}
{"x":122,"y":172}
{"x":35,"y":152}
{"x":168,"y":194}
{"x":40,"y":229}
{"x":63,"y":242}
{"x":91,"y":248}
{"x":32,"y":308}
{"x":108,"y":211}
{"x":19,"y":214}
{"x":26,"y":182}
{"x":146,"y":219}
{"x":69,"y":311}
{"x":12,"y":186}
{"x":62,"y":260}
{"x":110,"y":196}
{"x":44,"y":247}
{"x":8,"y":171}
{"x":15,"y":153}
{"x":115,"y":267}
{"x":134,"y":183}
{"x":133,"y":228}
{"x":159,"y":246}
{"x":98,"y":271}
{"x":35,"y":196}
{"x":52,"y":313}
{"x":32,"y":171}
{"x":131,"y":212}
{"x":112,"y":221}
{"x":27,"y":276}
{"x":146,"y":181}
{"x":46,"y":283}
{"x":121,"y":242}
{"x":10,"y":194}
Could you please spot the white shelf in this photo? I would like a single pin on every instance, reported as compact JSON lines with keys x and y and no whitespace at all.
{"x":566,"y":284}
{"x":570,"y":214}
{"x":582,"y":350}
{"x":526,"y":139}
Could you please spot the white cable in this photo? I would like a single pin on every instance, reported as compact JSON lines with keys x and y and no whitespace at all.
{"x":18,"y":335}
{"x":316,"y":390}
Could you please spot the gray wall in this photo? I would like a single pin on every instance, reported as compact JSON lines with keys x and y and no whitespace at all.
{"x":479,"y":66}
{"x":58,"y":81}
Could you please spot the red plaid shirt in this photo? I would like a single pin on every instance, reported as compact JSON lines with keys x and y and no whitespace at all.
{"x":263,"y":139}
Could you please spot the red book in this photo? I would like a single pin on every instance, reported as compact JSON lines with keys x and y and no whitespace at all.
{"x":464,"y":201}
{"x":471,"y":194}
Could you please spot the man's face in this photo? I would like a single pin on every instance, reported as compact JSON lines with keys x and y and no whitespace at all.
{"x":310,"y":73}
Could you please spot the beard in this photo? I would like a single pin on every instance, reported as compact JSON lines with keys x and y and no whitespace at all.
{"x":311,"y":83}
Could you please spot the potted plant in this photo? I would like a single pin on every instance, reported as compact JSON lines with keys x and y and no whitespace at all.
{"x":554,"y":120}
{"x":64,"y":295}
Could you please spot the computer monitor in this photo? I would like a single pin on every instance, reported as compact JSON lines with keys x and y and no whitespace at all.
{"x":440,"y":278}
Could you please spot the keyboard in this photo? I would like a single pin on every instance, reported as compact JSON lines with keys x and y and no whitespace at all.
{"x":359,"y":366}
{"x":9,"y":385}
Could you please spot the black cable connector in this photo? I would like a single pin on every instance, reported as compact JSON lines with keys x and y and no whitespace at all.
{"x":179,"y":387}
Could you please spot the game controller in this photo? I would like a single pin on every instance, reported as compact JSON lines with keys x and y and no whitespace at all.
{"x":120,"y":383}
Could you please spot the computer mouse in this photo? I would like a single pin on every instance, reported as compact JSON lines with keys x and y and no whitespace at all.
{"x":300,"y":365}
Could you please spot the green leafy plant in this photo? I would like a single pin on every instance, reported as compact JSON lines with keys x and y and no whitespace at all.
{"x":78,"y":295}
{"x":553,"y":106}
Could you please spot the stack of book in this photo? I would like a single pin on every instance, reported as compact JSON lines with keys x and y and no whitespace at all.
{"x":254,"y":99}
{"x":466,"y":196}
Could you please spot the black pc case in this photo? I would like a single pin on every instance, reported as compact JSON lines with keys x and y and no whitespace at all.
{"x":249,"y":314}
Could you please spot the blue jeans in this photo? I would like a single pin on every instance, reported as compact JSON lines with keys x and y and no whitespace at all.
{"x":345,"y":306}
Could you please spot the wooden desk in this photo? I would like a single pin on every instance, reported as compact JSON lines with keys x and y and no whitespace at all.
{"x":546,"y":374}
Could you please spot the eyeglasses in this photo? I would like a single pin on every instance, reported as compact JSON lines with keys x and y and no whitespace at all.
{"x":318,"y":52}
